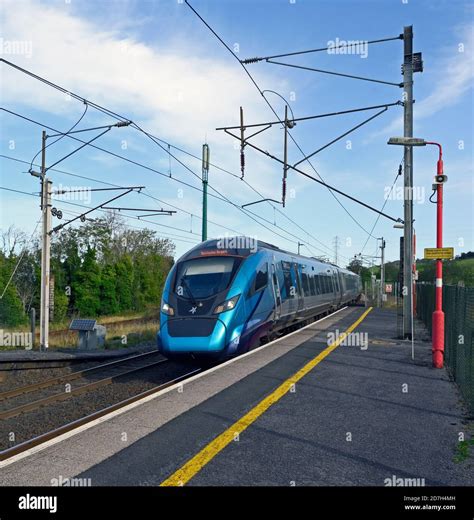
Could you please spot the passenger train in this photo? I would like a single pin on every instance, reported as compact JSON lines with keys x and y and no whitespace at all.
{"x":226,"y":296}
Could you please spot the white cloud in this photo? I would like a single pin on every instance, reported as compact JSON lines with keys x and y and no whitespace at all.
{"x":174,"y":92}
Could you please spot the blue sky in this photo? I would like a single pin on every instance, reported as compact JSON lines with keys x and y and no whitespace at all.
{"x":156,"y":63}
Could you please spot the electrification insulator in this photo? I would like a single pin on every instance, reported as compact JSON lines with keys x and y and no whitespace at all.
{"x":242,"y":162}
{"x":250,"y":60}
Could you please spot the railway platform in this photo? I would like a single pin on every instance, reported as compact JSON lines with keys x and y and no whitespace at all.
{"x":337,"y":403}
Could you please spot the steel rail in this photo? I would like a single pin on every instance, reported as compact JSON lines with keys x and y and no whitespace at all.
{"x":67,"y":377}
{"x":40,"y":439}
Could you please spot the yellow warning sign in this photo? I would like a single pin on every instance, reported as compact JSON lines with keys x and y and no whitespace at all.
{"x":439,"y":253}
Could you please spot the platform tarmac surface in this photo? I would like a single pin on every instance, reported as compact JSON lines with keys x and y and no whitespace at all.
{"x":361,"y":416}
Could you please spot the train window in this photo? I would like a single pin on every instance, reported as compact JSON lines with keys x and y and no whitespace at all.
{"x":287,"y":284}
{"x":261,"y":279}
{"x":317,"y":280}
{"x":298,"y":272}
{"x":204,"y":277}
{"x":275,"y":285}
{"x":326,"y":284}
{"x":306,"y":288}
{"x":314,"y":290}
{"x":349,"y":283}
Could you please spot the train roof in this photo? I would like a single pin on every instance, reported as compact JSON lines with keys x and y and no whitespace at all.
{"x":242,"y":246}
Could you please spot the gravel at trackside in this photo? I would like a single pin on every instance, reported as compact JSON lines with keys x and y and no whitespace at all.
{"x":47,"y":418}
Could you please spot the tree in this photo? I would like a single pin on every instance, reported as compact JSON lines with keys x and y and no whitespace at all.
{"x":391,"y":271}
{"x":124,"y":281}
{"x":25,"y":280}
{"x":86,"y":286}
{"x":355,"y":265}
{"x":11,"y":307}
{"x":12,"y":241}
{"x":108,"y":294}
{"x":100,"y":267}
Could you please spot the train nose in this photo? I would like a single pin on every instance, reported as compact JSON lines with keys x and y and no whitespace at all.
{"x":196,"y":334}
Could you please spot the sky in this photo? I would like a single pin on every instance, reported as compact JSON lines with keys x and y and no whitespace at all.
{"x":155,"y":63}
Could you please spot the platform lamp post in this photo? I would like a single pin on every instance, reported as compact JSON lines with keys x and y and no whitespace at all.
{"x":205,"y":177}
{"x":438,"y":314}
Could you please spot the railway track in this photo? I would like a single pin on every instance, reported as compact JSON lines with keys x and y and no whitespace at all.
{"x":39,"y":420}
{"x":62,"y":386}
{"x":65,"y":428}
{"x":34,"y":411}
{"x":26,"y":365}
{"x":70,"y":377}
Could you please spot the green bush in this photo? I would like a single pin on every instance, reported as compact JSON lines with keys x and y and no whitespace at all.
{"x":100,"y":268}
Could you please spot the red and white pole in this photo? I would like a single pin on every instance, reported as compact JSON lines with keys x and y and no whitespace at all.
{"x":438,"y":314}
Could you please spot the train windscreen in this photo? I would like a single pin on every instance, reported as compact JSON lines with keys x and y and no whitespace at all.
{"x":204,"y":277}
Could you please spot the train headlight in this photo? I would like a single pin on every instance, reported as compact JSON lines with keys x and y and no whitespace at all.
{"x":228,"y":305}
{"x":167,"y":309}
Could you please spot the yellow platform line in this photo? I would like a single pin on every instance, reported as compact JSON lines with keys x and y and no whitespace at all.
{"x":194,"y":465}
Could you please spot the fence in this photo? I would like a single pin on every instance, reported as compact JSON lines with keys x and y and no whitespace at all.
{"x":373,"y":294}
{"x":458,"y":306}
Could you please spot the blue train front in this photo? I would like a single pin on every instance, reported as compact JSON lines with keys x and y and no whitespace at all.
{"x":215,"y":305}
{"x":226,"y":296}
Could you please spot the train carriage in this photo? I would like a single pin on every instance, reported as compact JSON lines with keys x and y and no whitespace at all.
{"x":227,"y":296}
